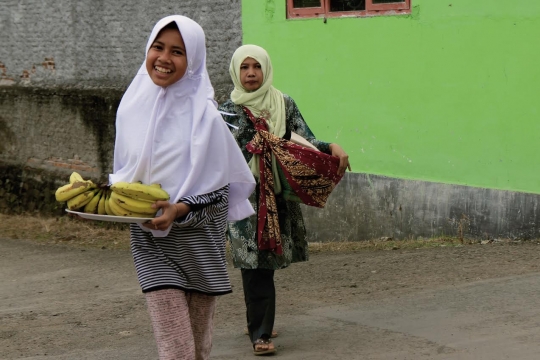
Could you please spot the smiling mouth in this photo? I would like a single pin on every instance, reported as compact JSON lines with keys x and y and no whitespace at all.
{"x":162,"y":70}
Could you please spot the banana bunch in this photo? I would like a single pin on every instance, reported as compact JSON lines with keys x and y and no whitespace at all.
{"x":135,"y":199}
{"x":77,"y":193}
{"x":119,"y":199}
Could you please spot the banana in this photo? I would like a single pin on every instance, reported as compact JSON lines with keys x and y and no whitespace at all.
{"x":80,"y":200}
{"x":108,"y":203}
{"x":68,"y":191}
{"x":140,"y":191}
{"x":75,"y":176}
{"x":120,"y":211}
{"x":92,"y":205}
{"x":134,"y":205}
{"x":101,"y":204}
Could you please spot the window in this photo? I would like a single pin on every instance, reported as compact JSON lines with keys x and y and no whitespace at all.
{"x":339,"y":8}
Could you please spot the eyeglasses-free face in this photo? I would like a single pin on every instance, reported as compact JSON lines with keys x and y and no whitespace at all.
{"x":166,"y":61}
{"x":251,"y":74}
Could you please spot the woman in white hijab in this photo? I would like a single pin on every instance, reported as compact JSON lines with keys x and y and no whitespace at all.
{"x":168,"y":131}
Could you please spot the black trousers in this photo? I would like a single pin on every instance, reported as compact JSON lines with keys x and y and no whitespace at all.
{"x":260,"y":298}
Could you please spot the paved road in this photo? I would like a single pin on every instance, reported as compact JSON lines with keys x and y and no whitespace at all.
{"x":489,"y":319}
{"x":484,"y":320}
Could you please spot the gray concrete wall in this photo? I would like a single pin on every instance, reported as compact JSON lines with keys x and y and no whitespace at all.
{"x":365,"y":206}
{"x":63,"y":68}
{"x":46,"y":134}
{"x":100,"y":44}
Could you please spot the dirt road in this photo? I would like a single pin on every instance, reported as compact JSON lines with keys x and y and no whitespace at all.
{"x":469,"y":302}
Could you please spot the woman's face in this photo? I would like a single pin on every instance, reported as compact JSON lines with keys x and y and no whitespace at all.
{"x":166,"y":61}
{"x":251,"y":75}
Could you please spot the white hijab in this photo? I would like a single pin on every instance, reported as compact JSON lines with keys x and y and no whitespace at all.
{"x":175,"y":136}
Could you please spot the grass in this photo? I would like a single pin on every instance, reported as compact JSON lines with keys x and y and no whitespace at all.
{"x":65,"y":230}
{"x":107,"y":235}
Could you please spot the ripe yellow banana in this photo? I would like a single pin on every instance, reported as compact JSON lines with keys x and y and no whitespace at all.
{"x":75,"y":176}
{"x":120,"y":211}
{"x":102,"y":201}
{"x":92,"y":205}
{"x":107,"y":203}
{"x":79,"y":201}
{"x":140,"y":191}
{"x":68,"y":191}
{"x":134,"y":205}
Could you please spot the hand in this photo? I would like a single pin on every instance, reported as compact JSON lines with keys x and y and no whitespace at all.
{"x":169,"y":212}
{"x":343,"y":158}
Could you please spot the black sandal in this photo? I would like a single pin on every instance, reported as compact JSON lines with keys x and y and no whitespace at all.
{"x":263,"y":347}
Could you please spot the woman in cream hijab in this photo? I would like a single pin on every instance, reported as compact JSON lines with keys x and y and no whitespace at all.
{"x":276,"y":236}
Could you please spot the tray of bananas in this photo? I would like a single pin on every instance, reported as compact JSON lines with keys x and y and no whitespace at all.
{"x":118,"y":202}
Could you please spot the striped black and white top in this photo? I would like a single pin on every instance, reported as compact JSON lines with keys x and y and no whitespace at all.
{"x":192,"y":256}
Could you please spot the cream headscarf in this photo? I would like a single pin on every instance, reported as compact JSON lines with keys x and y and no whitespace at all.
{"x":175,"y":136}
{"x":266,"y":100}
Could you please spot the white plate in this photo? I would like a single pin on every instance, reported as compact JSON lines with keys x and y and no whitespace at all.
{"x":123,"y":219}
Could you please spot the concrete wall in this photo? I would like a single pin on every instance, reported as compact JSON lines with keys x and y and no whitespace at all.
{"x":63,"y":68}
{"x":100,"y":44}
{"x":45,"y":134}
{"x":365,"y":206}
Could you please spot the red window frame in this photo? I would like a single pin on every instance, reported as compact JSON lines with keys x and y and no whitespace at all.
{"x":371,"y":10}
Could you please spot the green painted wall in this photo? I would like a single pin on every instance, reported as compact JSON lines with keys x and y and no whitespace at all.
{"x":450,"y":93}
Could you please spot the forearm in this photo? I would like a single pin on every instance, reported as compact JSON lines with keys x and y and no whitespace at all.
{"x":196,"y":211}
{"x":182,"y":209}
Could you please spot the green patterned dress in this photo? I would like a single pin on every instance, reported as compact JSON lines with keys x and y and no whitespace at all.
{"x":242,"y":234}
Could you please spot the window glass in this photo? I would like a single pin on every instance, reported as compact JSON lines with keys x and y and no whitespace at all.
{"x":347,"y":5}
{"x":344,"y":8}
{"x":306,"y":3}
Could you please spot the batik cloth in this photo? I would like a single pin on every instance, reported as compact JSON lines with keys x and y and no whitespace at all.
{"x":242,"y":234}
{"x":312,"y":176}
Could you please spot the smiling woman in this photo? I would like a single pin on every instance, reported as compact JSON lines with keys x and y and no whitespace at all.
{"x":166,"y":107}
{"x":166,"y":61}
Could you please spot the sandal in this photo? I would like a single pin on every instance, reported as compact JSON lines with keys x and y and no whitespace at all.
{"x":263,"y":347}
{"x":273,"y":335}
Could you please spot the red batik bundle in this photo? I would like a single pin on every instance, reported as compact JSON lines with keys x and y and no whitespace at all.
{"x":311,"y":174}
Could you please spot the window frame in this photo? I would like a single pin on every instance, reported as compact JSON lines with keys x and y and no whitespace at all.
{"x":371,"y":10}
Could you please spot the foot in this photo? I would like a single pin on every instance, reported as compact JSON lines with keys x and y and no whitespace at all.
{"x":273,"y":335}
{"x":263,"y":347}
